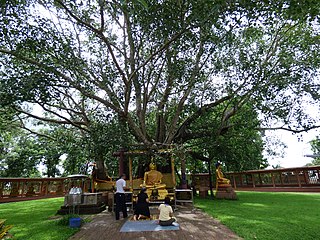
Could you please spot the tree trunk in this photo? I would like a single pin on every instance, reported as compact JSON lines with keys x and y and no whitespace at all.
{"x":184,"y":184}
{"x":210,"y":180}
{"x":101,"y":171}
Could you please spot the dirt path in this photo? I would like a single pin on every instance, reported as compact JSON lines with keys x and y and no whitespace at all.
{"x":193,"y":225}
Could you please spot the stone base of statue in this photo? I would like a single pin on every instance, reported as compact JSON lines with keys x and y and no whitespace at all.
{"x":86,"y":203}
{"x":226,"y":191}
{"x":156,"y":194}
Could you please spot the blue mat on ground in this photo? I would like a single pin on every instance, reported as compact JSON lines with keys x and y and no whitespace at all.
{"x":147,"y":225}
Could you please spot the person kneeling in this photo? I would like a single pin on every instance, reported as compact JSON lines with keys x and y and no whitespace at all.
{"x":142,"y":207}
{"x":166,"y":213}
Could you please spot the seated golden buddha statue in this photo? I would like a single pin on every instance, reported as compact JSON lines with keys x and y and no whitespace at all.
{"x":152,"y":181}
{"x":152,"y":178}
{"x":219,"y":175}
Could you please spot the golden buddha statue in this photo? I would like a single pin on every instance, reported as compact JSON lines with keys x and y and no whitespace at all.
{"x":152,"y":181}
{"x":152,"y":178}
{"x":219,"y":175}
{"x":224,"y":189}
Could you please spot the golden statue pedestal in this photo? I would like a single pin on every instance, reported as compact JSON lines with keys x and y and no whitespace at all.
{"x":225,"y":191}
{"x":156,"y":194}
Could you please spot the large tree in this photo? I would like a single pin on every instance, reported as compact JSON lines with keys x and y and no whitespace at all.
{"x":160,"y":66}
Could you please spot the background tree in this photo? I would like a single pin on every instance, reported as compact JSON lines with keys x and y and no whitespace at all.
{"x":160,"y":66}
{"x":82,"y":148}
{"x":18,"y":151}
{"x":315,"y":147}
{"x":240,"y":147}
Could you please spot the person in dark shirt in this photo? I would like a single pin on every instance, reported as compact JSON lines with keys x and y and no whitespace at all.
{"x":142,"y":206}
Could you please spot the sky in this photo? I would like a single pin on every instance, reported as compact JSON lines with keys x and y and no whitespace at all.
{"x":294,"y":154}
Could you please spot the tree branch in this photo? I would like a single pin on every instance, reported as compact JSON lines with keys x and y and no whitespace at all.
{"x":100,"y":35}
{"x":181,"y":132}
{"x":75,"y":123}
{"x":288,"y":129}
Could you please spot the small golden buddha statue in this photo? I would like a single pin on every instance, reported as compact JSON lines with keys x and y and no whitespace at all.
{"x":152,"y":178}
{"x":219,"y":175}
{"x":224,"y":189}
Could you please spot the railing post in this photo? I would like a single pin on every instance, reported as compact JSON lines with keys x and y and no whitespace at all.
{"x":273,"y":182}
{"x":298,"y":178}
{"x":234,"y":181}
{"x":253,"y":180}
{"x":281,"y":179}
{"x":306,"y":179}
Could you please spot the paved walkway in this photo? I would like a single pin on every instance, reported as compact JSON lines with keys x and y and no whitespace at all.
{"x":193,"y":225}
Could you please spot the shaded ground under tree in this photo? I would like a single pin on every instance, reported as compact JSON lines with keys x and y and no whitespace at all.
{"x":193,"y":225}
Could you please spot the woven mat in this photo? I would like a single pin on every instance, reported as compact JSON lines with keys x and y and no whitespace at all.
{"x":146,"y":225}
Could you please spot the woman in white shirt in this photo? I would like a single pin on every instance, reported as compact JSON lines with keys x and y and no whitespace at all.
{"x":166,"y":213}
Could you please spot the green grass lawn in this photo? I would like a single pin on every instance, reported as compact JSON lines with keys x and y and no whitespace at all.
{"x":33,"y":220}
{"x":261,"y":215}
{"x":254,"y":216}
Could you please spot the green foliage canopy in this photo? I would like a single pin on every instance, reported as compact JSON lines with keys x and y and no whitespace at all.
{"x":159,"y":67}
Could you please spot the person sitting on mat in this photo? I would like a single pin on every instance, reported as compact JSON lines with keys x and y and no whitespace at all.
{"x":166,"y":213}
{"x":142,"y":207}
